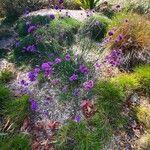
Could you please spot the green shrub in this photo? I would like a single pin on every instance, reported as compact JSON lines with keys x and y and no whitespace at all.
{"x":143,"y":115}
{"x":5,"y":96}
{"x":63,"y":30}
{"x":12,"y":9}
{"x":71,"y":4}
{"x":38,"y":20}
{"x":128,"y":82}
{"x":15,"y":142}
{"x":110,"y":98}
{"x":17,"y":110}
{"x":95,"y":27}
{"x":6,"y":76}
{"x":75,"y":136}
{"x":143,"y":75}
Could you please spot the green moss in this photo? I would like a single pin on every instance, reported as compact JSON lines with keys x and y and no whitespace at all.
{"x":17,"y":110}
{"x":15,"y":142}
{"x":95,"y":27}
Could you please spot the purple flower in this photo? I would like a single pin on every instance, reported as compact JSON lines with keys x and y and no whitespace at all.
{"x":76,"y":92}
{"x":60,"y":1}
{"x":77,"y":119}
{"x":23,"y":82}
{"x":97,"y":65}
{"x":52,"y":16}
{"x":45,"y":66}
{"x":30,"y":48}
{"x":31,"y":29}
{"x":57,"y":60}
{"x":32,"y":75}
{"x":114,"y":58}
{"x":17,"y":44}
{"x":34,"y":104}
{"x":73,"y":77}
{"x":110,"y":33}
{"x":67,"y":57}
{"x":56,"y":7}
{"x":84,"y":69}
{"x":88,"y":85}
{"x":119,"y":38}
{"x":97,"y":23}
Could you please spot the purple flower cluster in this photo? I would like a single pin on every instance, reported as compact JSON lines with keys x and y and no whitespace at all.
{"x":34,"y":104}
{"x":57,"y":60}
{"x":47,"y":67}
{"x":119,"y":38}
{"x":31,"y":29}
{"x":84,"y":69}
{"x":77,"y":119}
{"x":51,"y":16}
{"x":114,"y":58}
{"x":30,"y":48}
{"x":32,"y":75}
{"x":73,"y":77}
{"x":67,"y":57}
{"x":88,"y":85}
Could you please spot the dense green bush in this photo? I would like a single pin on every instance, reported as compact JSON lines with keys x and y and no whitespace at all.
{"x":15,"y":142}
{"x":5,"y":76}
{"x":17,"y":110}
{"x":95,"y":27}
{"x":5,"y":96}
{"x":110,"y":98}
{"x":143,"y":75}
{"x":75,"y":136}
{"x":12,"y":9}
{"x":64,"y":30}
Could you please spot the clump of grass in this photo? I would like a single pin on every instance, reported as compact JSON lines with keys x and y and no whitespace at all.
{"x":5,"y":96}
{"x":143,"y":75}
{"x":143,"y":115}
{"x":63,"y":30}
{"x":17,"y":110}
{"x":16,"y":141}
{"x":95,"y":27}
{"x":6,"y":76}
{"x":126,"y":81}
{"x":131,"y":34}
{"x":110,"y":98}
{"x":90,"y":135}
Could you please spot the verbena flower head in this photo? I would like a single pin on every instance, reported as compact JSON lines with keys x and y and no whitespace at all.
{"x":114,"y":58}
{"x":46,"y":66}
{"x":51,"y":16}
{"x":34,"y":104}
{"x":23,"y":82}
{"x":119,"y":38}
{"x":76,"y":92}
{"x":77,"y":119}
{"x":57,"y":60}
{"x":84,"y":69}
{"x":67,"y":57}
{"x":60,"y":1}
{"x":32,"y":75}
{"x":88,"y":85}
{"x":30,"y":48}
{"x":110,"y":33}
{"x":31,"y":29}
{"x":73,"y":77}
